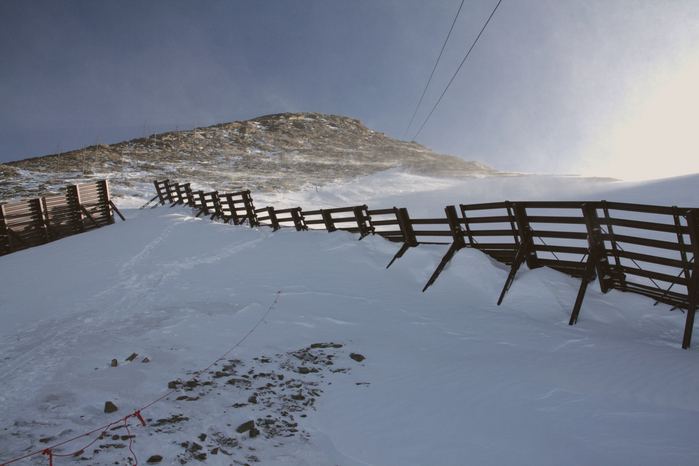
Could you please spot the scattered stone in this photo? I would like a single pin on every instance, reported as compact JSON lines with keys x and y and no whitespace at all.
{"x":253,"y":400}
{"x":110,"y":407}
{"x":326,"y":345}
{"x":146,"y":360}
{"x":115,"y":363}
{"x":357,"y":357}
{"x":173,"y":384}
{"x":155,"y":459}
{"x":304,"y":370}
{"x":202,"y":437}
{"x":245,"y":426}
{"x":132,"y":357}
{"x":214,"y":451}
{"x":254,"y":432}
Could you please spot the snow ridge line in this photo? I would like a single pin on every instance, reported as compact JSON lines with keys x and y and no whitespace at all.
{"x":137,"y":414}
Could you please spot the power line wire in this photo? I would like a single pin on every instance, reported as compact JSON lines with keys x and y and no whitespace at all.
{"x":433,"y":70}
{"x":457,"y":70}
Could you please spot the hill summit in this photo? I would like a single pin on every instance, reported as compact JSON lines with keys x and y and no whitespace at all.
{"x":273,"y":153}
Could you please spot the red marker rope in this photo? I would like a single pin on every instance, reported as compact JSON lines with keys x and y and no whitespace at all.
{"x":137,"y":414}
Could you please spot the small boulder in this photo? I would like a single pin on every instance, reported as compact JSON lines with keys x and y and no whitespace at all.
{"x":245,"y":426}
{"x":110,"y":407}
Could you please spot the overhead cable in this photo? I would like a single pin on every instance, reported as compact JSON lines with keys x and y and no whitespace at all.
{"x":433,"y":69}
{"x":457,"y":70}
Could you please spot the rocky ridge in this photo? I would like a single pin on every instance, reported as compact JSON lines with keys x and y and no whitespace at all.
{"x":273,"y":153}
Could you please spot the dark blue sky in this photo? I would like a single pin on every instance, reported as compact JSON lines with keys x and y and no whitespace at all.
{"x":551,"y":87}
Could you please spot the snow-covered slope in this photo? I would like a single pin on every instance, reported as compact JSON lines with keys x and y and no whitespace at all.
{"x":448,"y":376}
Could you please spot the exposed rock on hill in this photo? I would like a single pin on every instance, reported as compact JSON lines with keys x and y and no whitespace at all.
{"x":289,"y":151}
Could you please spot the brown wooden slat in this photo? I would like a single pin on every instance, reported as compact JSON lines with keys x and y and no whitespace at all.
{"x":648,"y":209}
{"x":491,"y":219}
{"x":560,"y":248}
{"x":478,"y":233}
{"x":484,"y":206}
{"x":644,"y":242}
{"x":556,"y":220}
{"x":560,"y":234}
{"x":577,"y":205}
{"x":432,"y":233}
{"x":653,"y":226}
{"x":429,"y":221}
{"x":678,"y":280}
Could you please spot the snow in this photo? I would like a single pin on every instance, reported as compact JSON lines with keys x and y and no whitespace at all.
{"x":449,"y":377}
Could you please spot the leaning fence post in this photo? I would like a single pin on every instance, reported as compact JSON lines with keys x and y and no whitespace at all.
{"x":328,"y":220}
{"x":693,"y":285}
{"x":73,"y":198}
{"x":297,"y":217}
{"x":596,"y":241}
{"x":525,"y":233}
{"x":363,"y":220}
{"x":525,"y":249}
{"x":596,"y":261}
{"x":249,"y":208}
{"x":458,"y":234}
{"x":273,"y":218}
{"x":406,"y":229}
{"x":615,"y":250}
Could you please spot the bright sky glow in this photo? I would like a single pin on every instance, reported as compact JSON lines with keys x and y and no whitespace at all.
{"x":656,"y":134}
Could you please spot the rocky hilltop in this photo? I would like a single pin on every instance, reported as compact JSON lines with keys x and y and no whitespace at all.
{"x":273,"y":153}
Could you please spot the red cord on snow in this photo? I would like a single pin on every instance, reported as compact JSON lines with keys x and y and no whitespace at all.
{"x":137,"y":414}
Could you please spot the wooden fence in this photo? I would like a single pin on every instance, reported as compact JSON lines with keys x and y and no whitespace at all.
{"x":33,"y":222}
{"x":643,"y":249}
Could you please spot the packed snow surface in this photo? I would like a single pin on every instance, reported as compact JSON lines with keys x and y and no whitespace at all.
{"x":336,"y":359}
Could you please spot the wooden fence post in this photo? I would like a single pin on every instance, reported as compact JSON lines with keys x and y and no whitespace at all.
{"x":77,"y":220}
{"x":297,"y":217}
{"x":511,"y":216}
{"x":619,"y":269}
{"x":328,"y":220}
{"x":273,"y":218}
{"x":363,"y":221}
{"x":596,"y":262}
{"x":525,"y":250}
{"x":249,"y":208}
{"x":526,"y":235}
{"x":458,"y":234}
{"x":693,"y":286}
{"x":406,"y":228}
{"x":5,"y":240}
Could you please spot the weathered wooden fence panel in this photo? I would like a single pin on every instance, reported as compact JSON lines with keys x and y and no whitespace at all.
{"x":33,"y":222}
